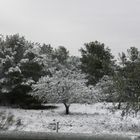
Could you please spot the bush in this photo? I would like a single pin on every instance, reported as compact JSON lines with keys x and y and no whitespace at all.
{"x":9,"y":120}
{"x":6,"y":120}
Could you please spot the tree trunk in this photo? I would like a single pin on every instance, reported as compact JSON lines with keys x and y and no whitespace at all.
{"x":119,"y":105}
{"x":67,"y":108}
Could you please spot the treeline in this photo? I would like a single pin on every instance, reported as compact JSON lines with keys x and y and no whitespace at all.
{"x":33,"y":73}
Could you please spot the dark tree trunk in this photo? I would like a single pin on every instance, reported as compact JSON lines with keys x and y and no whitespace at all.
{"x":67,"y":108}
{"x":119,"y":105}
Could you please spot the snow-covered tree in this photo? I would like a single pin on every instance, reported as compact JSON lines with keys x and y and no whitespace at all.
{"x":111,"y":89}
{"x":20,"y":65}
{"x":65,"y":86}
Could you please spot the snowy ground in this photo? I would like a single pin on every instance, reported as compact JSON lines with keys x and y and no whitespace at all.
{"x":96,"y":118}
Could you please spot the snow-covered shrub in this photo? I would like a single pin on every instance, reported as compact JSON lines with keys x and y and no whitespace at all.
{"x":8,"y":120}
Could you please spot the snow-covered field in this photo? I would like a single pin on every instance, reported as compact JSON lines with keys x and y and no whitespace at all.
{"x":84,"y":118}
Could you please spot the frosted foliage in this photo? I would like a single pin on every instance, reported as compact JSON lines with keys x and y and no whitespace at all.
{"x":33,"y":50}
{"x":64,"y":86}
{"x":50,"y":64}
{"x":7,"y":59}
{"x":2,"y":80}
{"x":26,"y":60}
{"x":13,"y":60}
{"x":105,"y":89}
{"x":14,"y":69}
{"x":28,"y":82}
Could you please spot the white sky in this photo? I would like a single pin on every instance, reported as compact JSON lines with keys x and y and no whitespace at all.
{"x":72,"y":23}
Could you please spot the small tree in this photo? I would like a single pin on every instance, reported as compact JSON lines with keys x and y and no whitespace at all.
{"x":64,"y":87}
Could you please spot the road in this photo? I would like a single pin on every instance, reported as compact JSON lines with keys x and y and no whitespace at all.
{"x":13,"y":135}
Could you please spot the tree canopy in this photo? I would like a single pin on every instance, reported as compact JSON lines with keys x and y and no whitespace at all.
{"x":19,"y":66}
{"x":96,"y":61}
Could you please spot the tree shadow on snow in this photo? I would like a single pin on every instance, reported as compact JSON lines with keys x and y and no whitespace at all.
{"x":41,"y":107}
